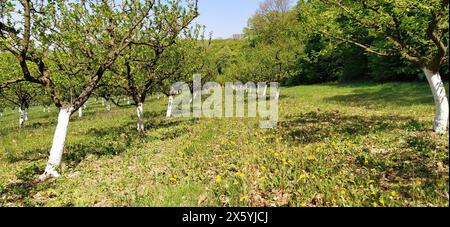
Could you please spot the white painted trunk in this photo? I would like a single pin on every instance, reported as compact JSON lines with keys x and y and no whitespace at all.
{"x":80,"y":112}
{"x":440,"y":99}
{"x":58,"y":145}
{"x":26,"y":114}
{"x":277,"y":94}
{"x":103,"y":102}
{"x":48,"y":109}
{"x":265,"y":90}
{"x":140,"y":115}
{"x":108,"y":105}
{"x":128,"y":101}
{"x":169,"y":107}
{"x":21,"y":117}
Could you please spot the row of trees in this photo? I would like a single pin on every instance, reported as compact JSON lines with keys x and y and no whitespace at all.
{"x":319,"y":41}
{"x":69,"y":48}
{"x":66,"y":52}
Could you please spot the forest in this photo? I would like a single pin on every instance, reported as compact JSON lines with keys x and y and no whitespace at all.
{"x":88,"y":108}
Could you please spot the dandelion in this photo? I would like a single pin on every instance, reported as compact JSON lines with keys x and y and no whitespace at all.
{"x":243,"y":198}
{"x":382,"y":202}
{"x":284,"y":161}
{"x":302,"y":176}
{"x":240,"y":174}
{"x":218,"y":179}
{"x":311,"y":157}
{"x":276,"y":154}
{"x":418,"y":182}
{"x":394,"y":194}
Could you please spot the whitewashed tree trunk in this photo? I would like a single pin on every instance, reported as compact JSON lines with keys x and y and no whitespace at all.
{"x":265,"y":90}
{"x":58,"y":145}
{"x":169,"y":107}
{"x":103,"y":102}
{"x":21,"y":117}
{"x":440,"y":99}
{"x":277,"y":94}
{"x":108,"y":105}
{"x":128,"y":101}
{"x":80,"y":112}
{"x":26,"y":114}
{"x":48,"y":109}
{"x":140,"y":115}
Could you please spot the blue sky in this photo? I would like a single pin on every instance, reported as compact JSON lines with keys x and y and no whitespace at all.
{"x":226,"y":17}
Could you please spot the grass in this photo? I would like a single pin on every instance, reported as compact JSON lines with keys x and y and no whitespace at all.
{"x":336,"y":145}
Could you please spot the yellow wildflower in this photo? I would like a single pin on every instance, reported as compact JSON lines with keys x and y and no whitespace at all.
{"x":218,"y":179}
{"x":243,"y":198}
{"x":394,"y":194}
{"x":302,"y":176}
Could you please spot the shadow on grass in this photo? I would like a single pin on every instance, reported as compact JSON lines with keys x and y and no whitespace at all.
{"x":314,"y":127}
{"x":21,"y":192}
{"x":393,"y":94}
{"x":117,"y":140}
{"x":419,"y":166}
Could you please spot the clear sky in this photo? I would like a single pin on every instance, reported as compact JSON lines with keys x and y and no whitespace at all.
{"x":226,"y":17}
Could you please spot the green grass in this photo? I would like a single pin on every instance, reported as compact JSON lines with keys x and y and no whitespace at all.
{"x":336,"y":145}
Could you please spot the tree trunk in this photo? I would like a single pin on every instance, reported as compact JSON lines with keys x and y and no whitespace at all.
{"x":26,"y":114}
{"x":21,"y":117}
{"x":169,"y":107}
{"x":108,"y":105}
{"x":103,"y":102}
{"x":140,"y":115}
{"x":440,"y":99}
{"x":265,"y":90}
{"x":277,"y":95}
{"x":128,"y":101}
{"x":48,"y":109}
{"x":58,"y":144}
{"x":80,"y":112}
